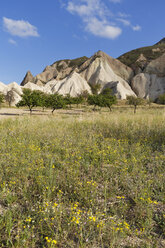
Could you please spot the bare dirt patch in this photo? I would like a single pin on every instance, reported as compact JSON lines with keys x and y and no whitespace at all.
{"x":15,"y":112}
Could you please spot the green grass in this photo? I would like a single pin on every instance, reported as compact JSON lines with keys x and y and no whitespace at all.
{"x":91,"y":180}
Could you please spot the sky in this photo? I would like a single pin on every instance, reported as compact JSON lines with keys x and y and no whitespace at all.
{"x":36,"y":33}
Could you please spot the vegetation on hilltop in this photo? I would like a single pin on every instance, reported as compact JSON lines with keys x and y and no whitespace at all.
{"x":150,"y":53}
{"x":71,"y":62}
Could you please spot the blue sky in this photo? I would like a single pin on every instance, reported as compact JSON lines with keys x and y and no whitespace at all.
{"x":36,"y":33}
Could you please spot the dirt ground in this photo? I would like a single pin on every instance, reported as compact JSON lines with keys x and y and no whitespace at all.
{"x":15,"y":112}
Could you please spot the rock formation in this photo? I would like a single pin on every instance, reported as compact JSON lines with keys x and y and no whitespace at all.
{"x":139,"y":72}
{"x":74,"y":76}
{"x":28,"y":78}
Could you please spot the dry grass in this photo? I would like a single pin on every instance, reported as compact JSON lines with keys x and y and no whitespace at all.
{"x":83,"y":179}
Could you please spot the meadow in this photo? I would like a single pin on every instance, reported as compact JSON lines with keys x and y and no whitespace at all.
{"x":90,"y":179}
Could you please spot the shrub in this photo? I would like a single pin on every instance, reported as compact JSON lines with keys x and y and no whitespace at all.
{"x":161,"y":99}
{"x":135,"y":101}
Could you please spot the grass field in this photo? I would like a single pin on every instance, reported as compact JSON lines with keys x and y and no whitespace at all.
{"x":85,"y":180}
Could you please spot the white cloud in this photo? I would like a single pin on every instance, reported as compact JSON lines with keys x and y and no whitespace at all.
{"x":124,"y":21}
{"x":123,"y":15}
{"x":13,"y":42}
{"x":88,"y":8}
{"x":95,"y":17}
{"x":136,"y":28}
{"x":19,"y":28}
{"x":98,"y":19}
{"x":103,"y":29}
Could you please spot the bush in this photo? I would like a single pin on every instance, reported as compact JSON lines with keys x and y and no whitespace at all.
{"x":161,"y":99}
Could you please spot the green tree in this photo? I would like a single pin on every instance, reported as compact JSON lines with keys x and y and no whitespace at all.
{"x":95,"y":88}
{"x":42,"y":101}
{"x":102,"y":100}
{"x":108,"y":98}
{"x":134,"y":101}
{"x":1,"y":99}
{"x":161,"y":99}
{"x":78,"y":100}
{"x":84,"y":94}
{"x":55,"y":101}
{"x":93,"y":100}
{"x":30,"y":99}
{"x":68,"y":100}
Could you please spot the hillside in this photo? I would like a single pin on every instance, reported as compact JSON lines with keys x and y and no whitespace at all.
{"x":139,"y":58}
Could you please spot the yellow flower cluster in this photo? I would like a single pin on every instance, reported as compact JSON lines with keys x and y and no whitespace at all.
{"x":29,"y":220}
{"x":93,"y":183}
{"x":120,"y":197}
{"x":148,"y":200}
{"x":121,"y":226}
{"x":92,"y":218}
{"x":50,"y":240}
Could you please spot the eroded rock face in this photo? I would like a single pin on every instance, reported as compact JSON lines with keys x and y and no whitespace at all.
{"x":72,"y":85}
{"x":47,"y":74}
{"x":151,"y":83}
{"x":148,"y":85}
{"x":118,"y":68}
{"x":157,"y":66}
{"x":101,"y":72}
{"x":28,"y":78}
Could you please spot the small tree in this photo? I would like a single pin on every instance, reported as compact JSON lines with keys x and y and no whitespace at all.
{"x":42,"y":101}
{"x":95,"y":88}
{"x":161,"y":99}
{"x":93,"y":100}
{"x":30,"y":99}
{"x":84,"y":94}
{"x":55,"y":101}
{"x":68,"y":100}
{"x":9,"y":97}
{"x":1,"y":99}
{"x":78,"y":100}
{"x":102,"y":101}
{"x":135,"y":101}
{"x":108,"y":98}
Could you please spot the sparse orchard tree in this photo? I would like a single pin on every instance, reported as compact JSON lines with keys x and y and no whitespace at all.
{"x":43,"y":100}
{"x":1,"y":99}
{"x":149,"y":102}
{"x":30,"y":99}
{"x":78,"y":100}
{"x":134,"y":101}
{"x":93,"y":100}
{"x":108,"y":98}
{"x":68,"y":100}
{"x":55,"y":101}
{"x":102,"y":100}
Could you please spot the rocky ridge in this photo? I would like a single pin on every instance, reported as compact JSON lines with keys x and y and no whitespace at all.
{"x":140,"y":72}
